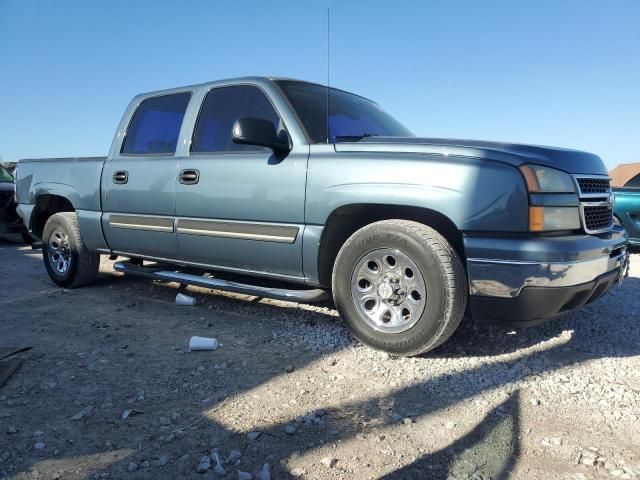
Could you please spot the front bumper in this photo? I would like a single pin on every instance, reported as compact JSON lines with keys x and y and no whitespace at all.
{"x":553,"y":275}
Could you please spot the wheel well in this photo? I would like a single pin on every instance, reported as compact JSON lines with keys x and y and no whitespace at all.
{"x":345,"y":221}
{"x":47,"y":205}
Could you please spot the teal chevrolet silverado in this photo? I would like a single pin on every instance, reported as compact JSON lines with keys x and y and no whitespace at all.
{"x":321,"y":191}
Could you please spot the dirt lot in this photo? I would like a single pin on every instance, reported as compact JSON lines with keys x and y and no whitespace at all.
{"x":288,"y":394}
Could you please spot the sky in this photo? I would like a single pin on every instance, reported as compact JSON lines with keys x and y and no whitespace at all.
{"x":550,"y":72}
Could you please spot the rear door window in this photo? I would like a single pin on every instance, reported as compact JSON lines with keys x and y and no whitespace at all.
{"x":221,"y":108}
{"x":155,"y":126}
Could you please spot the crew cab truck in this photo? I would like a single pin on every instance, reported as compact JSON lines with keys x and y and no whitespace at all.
{"x":322,"y":191}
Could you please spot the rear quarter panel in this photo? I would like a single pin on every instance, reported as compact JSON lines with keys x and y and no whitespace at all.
{"x":76,"y":179}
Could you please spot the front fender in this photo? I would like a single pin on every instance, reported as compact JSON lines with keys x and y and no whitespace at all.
{"x":474,"y":194}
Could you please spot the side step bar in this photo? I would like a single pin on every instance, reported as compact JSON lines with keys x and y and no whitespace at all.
{"x":157,"y":273}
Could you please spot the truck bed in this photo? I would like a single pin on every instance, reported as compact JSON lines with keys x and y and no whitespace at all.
{"x":74,"y":178}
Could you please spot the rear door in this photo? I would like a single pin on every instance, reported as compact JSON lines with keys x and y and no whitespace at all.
{"x":138,"y":181}
{"x":245,"y":209}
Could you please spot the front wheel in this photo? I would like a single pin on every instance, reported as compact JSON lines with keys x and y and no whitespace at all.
{"x":400,"y":286}
{"x":66,"y":258}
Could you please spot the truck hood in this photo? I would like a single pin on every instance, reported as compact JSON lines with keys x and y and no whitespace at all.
{"x":571,"y":161}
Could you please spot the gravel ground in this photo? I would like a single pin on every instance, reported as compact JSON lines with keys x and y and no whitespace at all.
{"x":289,"y":394}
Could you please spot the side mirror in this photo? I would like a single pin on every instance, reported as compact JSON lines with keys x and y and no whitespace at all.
{"x":256,"y":131}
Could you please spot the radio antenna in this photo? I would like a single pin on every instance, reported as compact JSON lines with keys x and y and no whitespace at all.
{"x":328,"y":66}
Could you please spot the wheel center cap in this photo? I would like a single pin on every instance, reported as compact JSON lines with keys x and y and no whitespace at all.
{"x":385,"y":290}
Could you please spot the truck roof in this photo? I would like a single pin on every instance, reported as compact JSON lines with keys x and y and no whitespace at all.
{"x":234,"y":81}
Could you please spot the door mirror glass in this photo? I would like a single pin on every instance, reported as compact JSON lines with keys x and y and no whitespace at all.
{"x":260,"y":132}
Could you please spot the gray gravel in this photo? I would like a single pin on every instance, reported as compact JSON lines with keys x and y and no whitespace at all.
{"x":290,"y":394}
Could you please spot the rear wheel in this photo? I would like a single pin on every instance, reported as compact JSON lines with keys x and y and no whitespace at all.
{"x":400,"y":286}
{"x":66,"y":258}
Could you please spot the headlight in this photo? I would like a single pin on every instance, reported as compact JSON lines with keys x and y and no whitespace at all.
{"x":545,"y":179}
{"x":542,"y":218}
{"x":548,"y":219}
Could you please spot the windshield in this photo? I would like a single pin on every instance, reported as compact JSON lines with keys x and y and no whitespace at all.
{"x":350,"y":117}
{"x":5,"y":176}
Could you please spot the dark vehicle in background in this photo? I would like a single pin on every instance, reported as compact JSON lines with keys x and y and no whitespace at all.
{"x":626,"y":182}
{"x":10,"y":222}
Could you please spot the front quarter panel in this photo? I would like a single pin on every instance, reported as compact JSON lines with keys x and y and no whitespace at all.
{"x":474,"y":194}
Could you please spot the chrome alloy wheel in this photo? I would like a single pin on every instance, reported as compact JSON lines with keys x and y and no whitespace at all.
{"x":388,"y":290}
{"x":59,"y":252}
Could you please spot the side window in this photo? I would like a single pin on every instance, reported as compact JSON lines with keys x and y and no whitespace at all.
{"x":634,"y":182}
{"x":220,"y":109}
{"x":155,"y":125}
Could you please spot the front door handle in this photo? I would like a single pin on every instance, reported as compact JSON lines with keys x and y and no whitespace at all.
{"x":121,"y":177}
{"x":189,"y":176}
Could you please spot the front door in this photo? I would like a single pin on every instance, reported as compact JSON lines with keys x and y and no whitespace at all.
{"x":138,"y":185}
{"x":240,"y":207}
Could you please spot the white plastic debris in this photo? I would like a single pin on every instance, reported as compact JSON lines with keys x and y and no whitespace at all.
{"x":185,"y":300}
{"x":202,"y":343}
{"x":130,"y":413}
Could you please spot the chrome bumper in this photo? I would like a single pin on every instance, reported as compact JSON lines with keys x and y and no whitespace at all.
{"x":507,"y":278}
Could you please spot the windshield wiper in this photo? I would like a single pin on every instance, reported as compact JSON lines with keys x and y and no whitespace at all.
{"x":354,"y":138}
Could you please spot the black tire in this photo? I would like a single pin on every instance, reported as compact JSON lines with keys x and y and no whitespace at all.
{"x":442,"y":273}
{"x":83,"y":265}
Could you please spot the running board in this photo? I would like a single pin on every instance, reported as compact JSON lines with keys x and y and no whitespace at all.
{"x":156,"y":273}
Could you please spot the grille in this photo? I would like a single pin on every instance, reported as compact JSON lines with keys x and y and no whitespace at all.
{"x":592,"y":186}
{"x":597,"y":217}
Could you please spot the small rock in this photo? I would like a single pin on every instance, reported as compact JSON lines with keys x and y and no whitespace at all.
{"x":244,"y":475}
{"x":587,"y":460}
{"x":38,"y":433}
{"x":534,"y":401}
{"x":450,"y":425}
{"x":85,"y":412}
{"x":234,"y":455}
{"x":298,"y":472}
{"x":162,"y":461}
{"x":253,"y":435}
{"x":132,"y":467}
{"x":290,"y":429}
{"x":329,"y":462}
{"x":407,"y":421}
{"x":39,"y":446}
{"x":265,"y":473}
{"x":289,"y":368}
{"x":12,"y":429}
{"x":203,"y":467}
{"x":219,"y":470}
{"x":145,"y":464}
{"x":164,"y":421}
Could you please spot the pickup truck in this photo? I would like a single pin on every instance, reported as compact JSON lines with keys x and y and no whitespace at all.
{"x":228,"y":183}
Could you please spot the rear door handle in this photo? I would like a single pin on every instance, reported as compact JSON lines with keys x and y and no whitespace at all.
{"x":120,"y":177}
{"x":189,"y":176}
